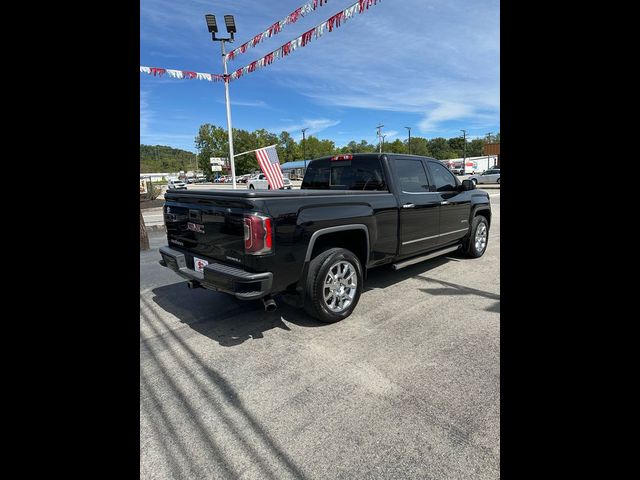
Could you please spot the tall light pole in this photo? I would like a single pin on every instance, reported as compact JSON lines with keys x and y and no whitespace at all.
{"x":379,"y":137}
{"x":231,"y":29}
{"x":488,"y":156}
{"x":304,"y":152}
{"x":409,"y":128}
{"x":382,"y":144}
{"x":464,"y":154}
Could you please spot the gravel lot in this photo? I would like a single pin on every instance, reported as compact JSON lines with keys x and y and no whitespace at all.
{"x":407,"y":387}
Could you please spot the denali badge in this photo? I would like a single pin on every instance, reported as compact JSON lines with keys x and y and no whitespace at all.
{"x":177,"y":242}
{"x":195,"y":227}
{"x":234,"y":259}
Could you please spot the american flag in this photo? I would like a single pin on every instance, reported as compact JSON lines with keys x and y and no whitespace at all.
{"x":270,"y":166}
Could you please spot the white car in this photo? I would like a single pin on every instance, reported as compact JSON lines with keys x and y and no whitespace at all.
{"x":175,"y":184}
{"x":259,"y":182}
{"x":489,"y":176}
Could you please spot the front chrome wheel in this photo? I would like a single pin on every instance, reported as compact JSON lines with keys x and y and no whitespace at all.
{"x":340,"y":286}
{"x":481,"y":237}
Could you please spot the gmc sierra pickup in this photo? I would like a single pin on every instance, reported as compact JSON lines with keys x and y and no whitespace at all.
{"x":315,"y":245}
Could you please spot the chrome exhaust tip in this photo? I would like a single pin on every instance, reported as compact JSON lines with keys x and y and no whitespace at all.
{"x":269,"y":304}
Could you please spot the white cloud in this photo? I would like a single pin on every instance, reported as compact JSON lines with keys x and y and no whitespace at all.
{"x":314,"y":126}
{"x":443,"y":112}
{"x":146,"y":114}
{"x":441,"y":62}
{"x":389,"y":134}
{"x":245,"y":103}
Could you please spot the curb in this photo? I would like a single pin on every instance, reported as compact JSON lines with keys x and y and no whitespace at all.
{"x":155,"y":228}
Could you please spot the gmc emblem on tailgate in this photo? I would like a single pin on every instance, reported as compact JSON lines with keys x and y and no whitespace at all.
{"x":195,"y":227}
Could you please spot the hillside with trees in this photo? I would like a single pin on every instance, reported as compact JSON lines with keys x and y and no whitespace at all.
{"x":160,"y":158}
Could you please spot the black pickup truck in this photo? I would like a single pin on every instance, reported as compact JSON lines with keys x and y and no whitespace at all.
{"x":315,"y":245}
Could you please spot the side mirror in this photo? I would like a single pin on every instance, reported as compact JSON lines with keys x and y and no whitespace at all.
{"x":468,"y":185}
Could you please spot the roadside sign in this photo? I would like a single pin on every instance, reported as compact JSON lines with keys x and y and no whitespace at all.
{"x":216,"y":168}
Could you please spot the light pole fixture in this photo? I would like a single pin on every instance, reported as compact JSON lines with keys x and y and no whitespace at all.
{"x":304,"y":152}
{"x":409,"y":128}
{"x":382,"y":144}
{"x":212,"y":26}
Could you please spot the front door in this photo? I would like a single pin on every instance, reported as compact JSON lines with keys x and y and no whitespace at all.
{"x":455,"y":204}
{"x":419,"y":208}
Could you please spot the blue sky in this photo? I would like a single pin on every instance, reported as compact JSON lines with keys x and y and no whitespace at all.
{"x":432,"y":65}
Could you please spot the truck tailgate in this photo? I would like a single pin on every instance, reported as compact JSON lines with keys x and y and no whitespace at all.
{"x":206,"y":228}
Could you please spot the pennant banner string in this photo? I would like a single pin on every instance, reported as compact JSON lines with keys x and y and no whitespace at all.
{"x":158,"y":72}
{"x":316,"y":32}
{"x":274,"y":29}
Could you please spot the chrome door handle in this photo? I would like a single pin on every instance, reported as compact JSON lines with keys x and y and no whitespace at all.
{"x":444,"y":202}
{"x":409,"y":205}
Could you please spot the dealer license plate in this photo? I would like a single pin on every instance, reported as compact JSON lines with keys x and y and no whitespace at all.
{"x":199,"y":264}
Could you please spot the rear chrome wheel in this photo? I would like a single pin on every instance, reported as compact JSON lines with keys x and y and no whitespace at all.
{"x":340,"y":286}
{"x":333,"y":285}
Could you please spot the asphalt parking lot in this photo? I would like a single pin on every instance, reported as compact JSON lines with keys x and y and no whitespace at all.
{"x":407,"y":387}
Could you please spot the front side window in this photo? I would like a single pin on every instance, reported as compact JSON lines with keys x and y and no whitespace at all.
{"x":411,"y":175}
{"x":442,"y":178}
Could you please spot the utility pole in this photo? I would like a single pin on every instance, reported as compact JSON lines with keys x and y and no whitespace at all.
{"x":464,"y":154}
{"x":488,"y":156}
{"x":304,"y":152}
{"x":409,"y":128}
{"x":382,"y":144}
{"x":379,"y":137}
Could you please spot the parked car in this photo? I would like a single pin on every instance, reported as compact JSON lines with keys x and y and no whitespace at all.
{"x":176,"y":184}
{"x":259,"y":182}
{"x":315,"y":245}
{"x":490,"y":176}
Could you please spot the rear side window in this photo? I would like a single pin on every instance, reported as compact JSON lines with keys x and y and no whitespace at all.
{"x":442,"y":178}
{"x":411,"y":175}
{"x":356,"y":174}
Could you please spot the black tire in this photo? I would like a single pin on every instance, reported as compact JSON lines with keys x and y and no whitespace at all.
{"x":470,"y":245}
{"x":498,"y":179}
{"x":251,"y":187}
{"x":475,"y":181}
{"x":314,"y":303}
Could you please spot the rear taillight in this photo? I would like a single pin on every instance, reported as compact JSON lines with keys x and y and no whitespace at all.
{"x":258,"y":235}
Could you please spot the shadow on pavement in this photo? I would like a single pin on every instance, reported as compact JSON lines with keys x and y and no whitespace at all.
{"x":222,"y":317}
{"x":385,"y":276}
{"x":449,"y":288}
{"x":226,"y":411}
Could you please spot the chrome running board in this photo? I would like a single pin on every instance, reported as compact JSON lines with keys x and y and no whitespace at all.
{"x":412,"y":261}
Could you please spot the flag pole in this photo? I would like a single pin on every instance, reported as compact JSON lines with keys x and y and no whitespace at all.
{"x":244,"y":153}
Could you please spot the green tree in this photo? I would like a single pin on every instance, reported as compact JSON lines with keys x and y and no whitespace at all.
{"x":288,"y":149}
{"x":474,"y":147}
{"x":439,"y":149}
{"x":211,"y":141}
{"x":397,"y":146}
{"x":419,"y":146}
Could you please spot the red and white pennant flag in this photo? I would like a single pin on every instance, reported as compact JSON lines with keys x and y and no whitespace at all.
{"x":277,"y":27}
{"x":303,"y":40}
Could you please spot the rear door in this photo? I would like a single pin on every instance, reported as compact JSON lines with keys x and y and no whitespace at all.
{"x":419,"y":207}
{"x":455,"y":205}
